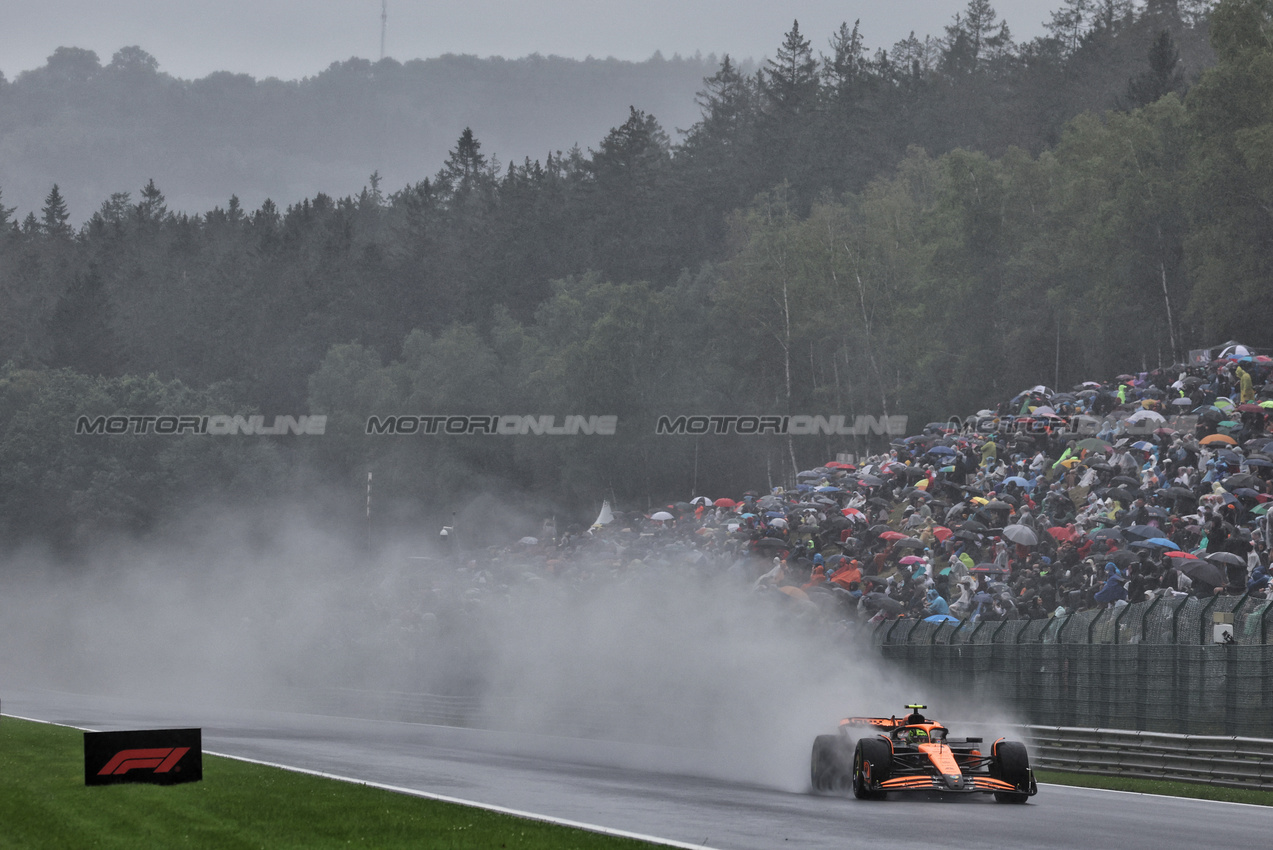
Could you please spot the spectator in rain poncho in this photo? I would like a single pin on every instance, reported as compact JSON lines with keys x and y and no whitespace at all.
{"x":1259,"y":580}
{"x":1113,"y":589}
{"x":935,"y":603}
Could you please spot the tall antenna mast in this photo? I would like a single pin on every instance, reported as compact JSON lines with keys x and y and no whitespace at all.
{"x":384,"y":20}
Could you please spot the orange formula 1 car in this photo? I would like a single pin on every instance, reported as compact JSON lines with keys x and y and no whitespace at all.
{"x":914,"y":753}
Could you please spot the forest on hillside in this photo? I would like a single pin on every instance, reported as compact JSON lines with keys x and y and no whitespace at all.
{"x":919,"y":231}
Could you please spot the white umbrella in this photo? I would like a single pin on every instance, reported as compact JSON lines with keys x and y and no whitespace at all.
{"x":1021,"y":534}
{"x":662,"y":516}
{"x":701,"y":500}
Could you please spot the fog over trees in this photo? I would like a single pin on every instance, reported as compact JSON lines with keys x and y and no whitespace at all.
{"x":913,"y":230}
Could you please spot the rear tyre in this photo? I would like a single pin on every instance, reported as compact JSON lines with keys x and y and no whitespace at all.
{"x":877,"y":754}
{"x":831,"y":764}
{"x":1011,"y":764}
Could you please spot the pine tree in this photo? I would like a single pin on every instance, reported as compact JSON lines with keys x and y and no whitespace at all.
{"x":465,"y":166}
{"x":55,"y":215}
{"x":151,"y":209}
{"x":791,"y":79}
{"x":1164,"y":74}
{"x":5,"y":212}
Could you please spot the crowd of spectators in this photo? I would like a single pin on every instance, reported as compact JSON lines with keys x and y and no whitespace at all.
{"x":1054,"y":502}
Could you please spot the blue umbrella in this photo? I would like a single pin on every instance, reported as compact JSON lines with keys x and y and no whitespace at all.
{"x":941,"y":450}
{"x":1163,"y":542}
{"x":941,"y":618}
{"x":1019,"y":481}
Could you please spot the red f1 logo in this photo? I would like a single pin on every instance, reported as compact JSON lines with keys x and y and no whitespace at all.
{"x":160,"y":759}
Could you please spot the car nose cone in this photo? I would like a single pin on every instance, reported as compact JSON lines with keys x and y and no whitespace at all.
{"x":954,"y":781}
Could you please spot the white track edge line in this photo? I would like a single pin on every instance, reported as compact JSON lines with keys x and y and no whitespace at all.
{"x":590,"y":827}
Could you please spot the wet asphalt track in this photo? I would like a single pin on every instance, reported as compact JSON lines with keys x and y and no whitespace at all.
{"x":577,"y":781}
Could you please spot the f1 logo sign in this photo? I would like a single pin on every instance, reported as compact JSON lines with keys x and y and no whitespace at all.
{"x":161,"y":760}
{"x":157,"y":756}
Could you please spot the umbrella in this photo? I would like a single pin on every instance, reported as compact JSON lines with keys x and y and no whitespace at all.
{"x":941,"y":618}
{"x":1063,"y":534}
{"x":1218,"y":438}
{"x":910,"y":559}
{"x":772,"y":543}
{"x":661,"y":516}
{"x":1021,"y":534}
{"x":941,"y":450}
{"x":870,"y":480}
{"x":1019,"y":481}
{"x":1226,"y":558}
{"x":892,"y":535}
{"x":1093,"y":444}
{"x":973,"y":525}
{"x":701,"y":500}
{"x":1245,"y":479}
{"x":1162,"y":542}
{"x":1106,"y":534}
{"x":1208,"y":574}
{"x":1142,"y":532}
{"x":941,"y":532}
{"x":1185,"y":556}
{"x":909,"y":543}
{"x":726,"y":503}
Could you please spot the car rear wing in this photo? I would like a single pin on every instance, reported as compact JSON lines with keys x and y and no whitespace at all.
{"x":884,"y":723}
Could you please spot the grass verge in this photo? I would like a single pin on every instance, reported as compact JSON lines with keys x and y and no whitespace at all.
{"x":1155,"y":786}
{"x":45,"y":804}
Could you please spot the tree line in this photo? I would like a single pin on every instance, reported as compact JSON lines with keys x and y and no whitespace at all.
{"x":769,"y":262}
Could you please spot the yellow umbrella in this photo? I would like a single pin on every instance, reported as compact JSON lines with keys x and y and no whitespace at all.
{"x":1218,"y":438}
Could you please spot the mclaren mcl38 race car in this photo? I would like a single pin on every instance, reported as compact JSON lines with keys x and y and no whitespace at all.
{"x":878,"y":755}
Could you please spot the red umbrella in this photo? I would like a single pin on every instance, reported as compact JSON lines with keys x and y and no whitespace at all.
{"x":726,"y":503}
{"x":1184,"y":555}
{"x":835,"y":464}
{"x":1064,"y":534}
{"x":942,"y":533}
{"x":892,"y":535}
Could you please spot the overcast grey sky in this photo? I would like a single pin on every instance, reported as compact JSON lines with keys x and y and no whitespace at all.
{"x":297,"y":38}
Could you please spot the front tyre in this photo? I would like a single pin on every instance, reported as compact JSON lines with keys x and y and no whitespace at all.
{"x":1012,"y":765}
{"x":875,"y":757}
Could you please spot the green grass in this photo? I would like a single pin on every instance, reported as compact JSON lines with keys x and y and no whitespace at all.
{"x":1154,"y":786}
{"x":45,"y":804}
